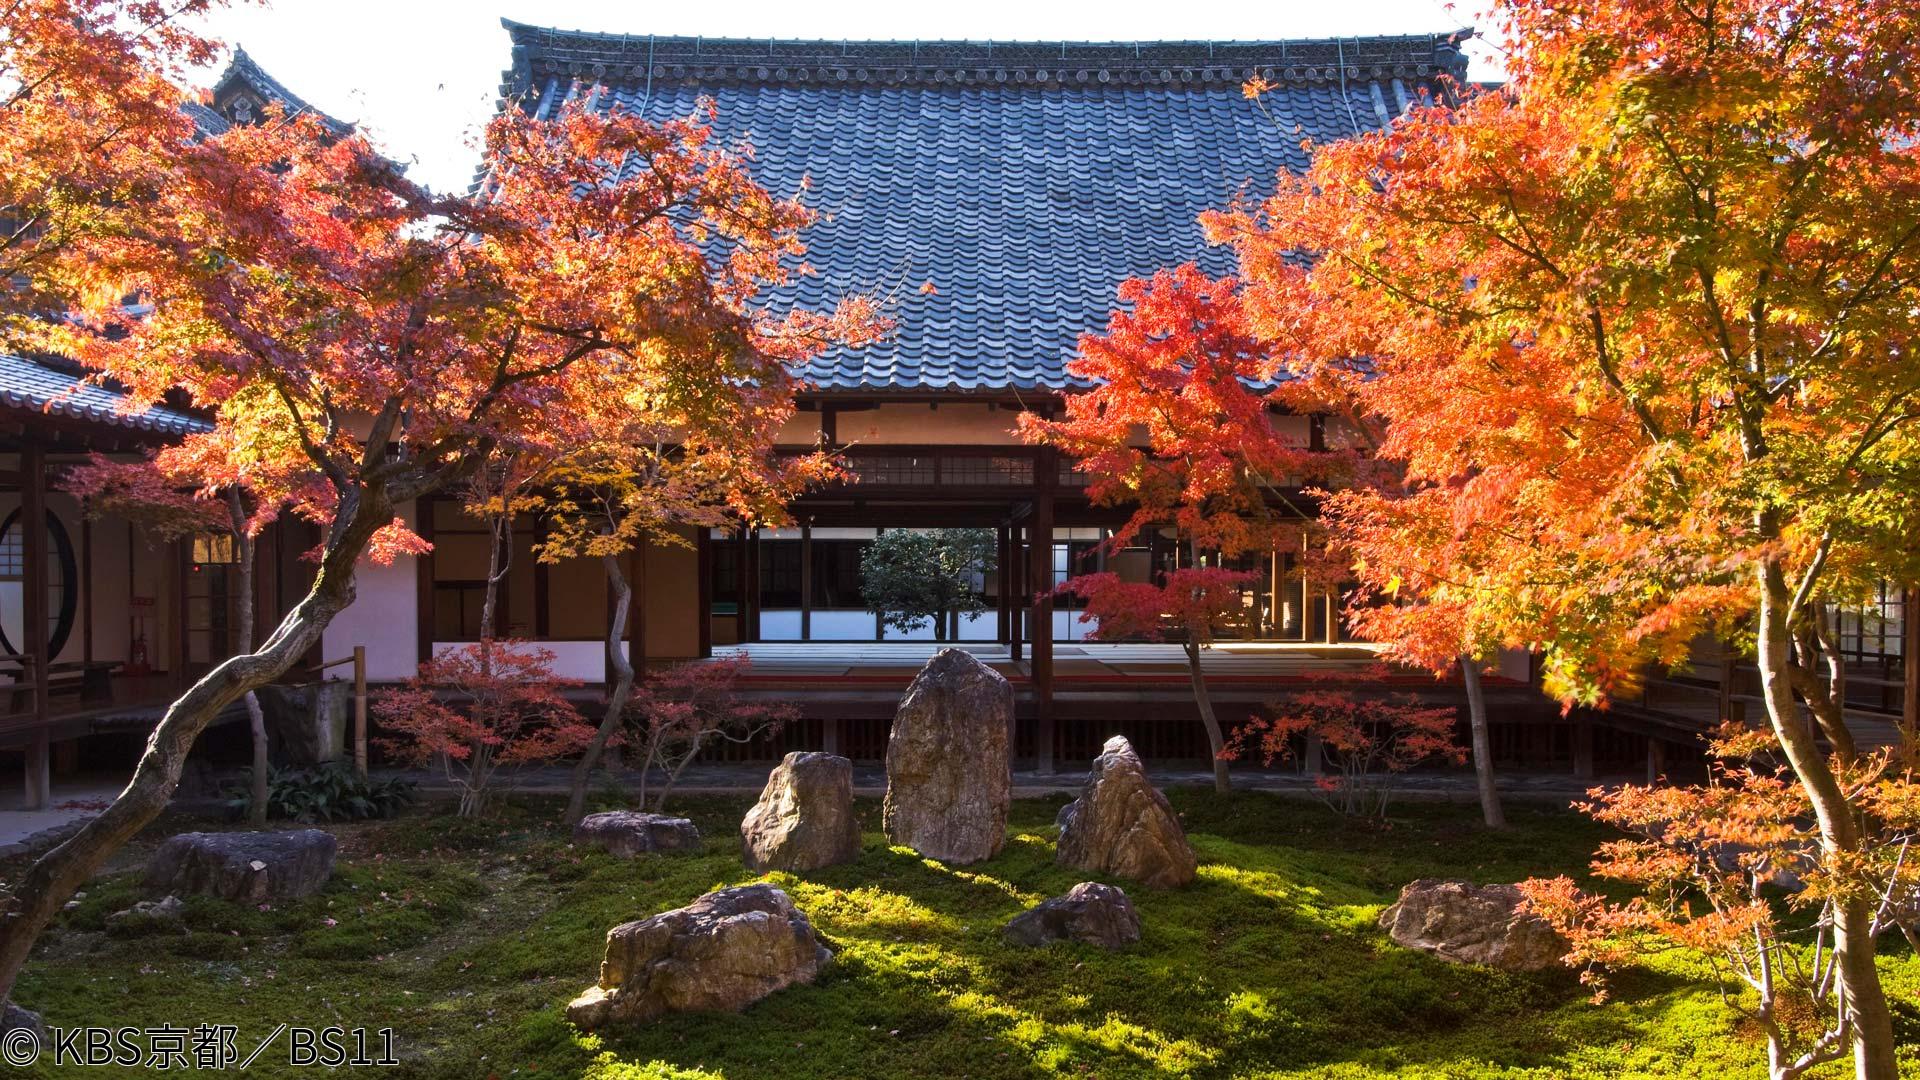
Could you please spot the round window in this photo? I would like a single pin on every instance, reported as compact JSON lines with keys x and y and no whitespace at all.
{"x":63,"y":592}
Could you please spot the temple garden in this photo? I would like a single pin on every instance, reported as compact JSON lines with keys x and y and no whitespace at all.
{"x":947,"y":932}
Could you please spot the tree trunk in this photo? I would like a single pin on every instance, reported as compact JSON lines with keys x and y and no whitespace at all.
{"x":46,"y":886}
{"x":243,"y":551}
{"x":1215,"y":740}
{"x":616,"y":700}
{"x":1840,"y":837}
{"x":1490,"y":809}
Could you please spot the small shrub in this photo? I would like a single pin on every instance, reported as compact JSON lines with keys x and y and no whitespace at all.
{"x":329,"y":792}
{"x":689,"y":707}
{"x":480,"y":708}
{"x":1364,"y":745}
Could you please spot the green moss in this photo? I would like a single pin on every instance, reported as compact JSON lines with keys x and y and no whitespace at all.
{"x":468,"y":939}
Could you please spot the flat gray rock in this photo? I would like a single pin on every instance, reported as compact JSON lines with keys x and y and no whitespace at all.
{"x":1464,"y":923}
{"x":949,"y":764}
{"x":722,"y":952}
{"x":1090,"y":912}
{"x":804,"y":819}
{"x":243,"y":866}
{"x":626,"y":833}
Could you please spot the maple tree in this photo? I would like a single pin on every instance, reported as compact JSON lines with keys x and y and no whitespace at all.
{"x":478,"y":708}
{"x":88,"y":101}
{"x":333,"y":317}
{"x":1732,"y":871}
{"x":1178,"y":427}
{"x":680,"y":712}
{"x":1356,"y":747}
{"x":1648,"y":307}
{"x":621,"y":479}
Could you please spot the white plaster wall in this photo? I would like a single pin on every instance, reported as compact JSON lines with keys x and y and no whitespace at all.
{"x":384,"y":617}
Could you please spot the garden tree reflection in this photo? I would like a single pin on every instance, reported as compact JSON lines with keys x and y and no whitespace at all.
{"x":913,"y":577}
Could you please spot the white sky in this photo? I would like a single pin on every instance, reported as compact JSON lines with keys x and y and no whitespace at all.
{"x":421,"y":75}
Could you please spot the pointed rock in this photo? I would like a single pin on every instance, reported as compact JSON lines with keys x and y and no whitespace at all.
{"x":949,"y":765}
{"x":804,"y":819}
{"x":1121,"y":825}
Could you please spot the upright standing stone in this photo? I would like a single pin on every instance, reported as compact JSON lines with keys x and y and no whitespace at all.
{"x":1121,"y":825}
{"x":949,"y":764}
{"x":804,"y":819}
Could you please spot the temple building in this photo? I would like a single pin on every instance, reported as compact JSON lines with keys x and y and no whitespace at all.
{"x":1024,"y":181}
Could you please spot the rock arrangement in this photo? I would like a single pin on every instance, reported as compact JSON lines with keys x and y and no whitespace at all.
{"x":1090,"y":912}
{"x":1465,"y":923}
{"x":1121,"y":825}
{"x":804,"y":819}
{"x":243,"y":866}
{"x":626,"y":833}
{"x":949,"y":766}
{"x":722,"y":952}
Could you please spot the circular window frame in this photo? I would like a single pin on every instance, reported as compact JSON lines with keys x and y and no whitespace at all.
{"x":60,"y":547}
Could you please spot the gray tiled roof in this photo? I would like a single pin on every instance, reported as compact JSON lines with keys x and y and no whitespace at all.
{"x":26,"y":384}
{"x":243,"y":71}
{"x":1024,"y":180}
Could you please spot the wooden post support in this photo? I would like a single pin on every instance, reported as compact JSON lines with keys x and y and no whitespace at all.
{"x":1656,"y":760}
{"x":830,"y":735}
{"x":33,"y":616}
{"x":1040,"y":574}
{"x":1310,"y":759}
{"x":806,"y":581}
{"x":1910,"y":655}
{"x":1017,"y":589}
{"x":360,"y":710}
{"x":1583,"y":749}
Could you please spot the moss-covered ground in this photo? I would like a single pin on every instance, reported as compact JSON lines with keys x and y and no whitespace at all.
{"x":468,"y":939}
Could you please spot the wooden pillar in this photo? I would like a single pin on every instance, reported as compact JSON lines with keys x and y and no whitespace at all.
{"x":1332,"y":599}
{"x":806,"y":581}
{"x":1656,"y":760}
{"x":1310,"y":757}
{"x":750,"y":584}
{"x":85,"y":585}
{"x":637,"y":609}
{"x":1910,"y":657}
{"x":1016,"y":594}
{"x":423,"y":514}
{"x":1002,"y":587}
{"x":1040,"y":570}
{"x":703,"y":549}
{"x":33,"y":615}
{"x":1582,"y":748}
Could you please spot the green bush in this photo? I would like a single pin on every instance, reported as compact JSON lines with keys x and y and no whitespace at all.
{"x":328,"y":792}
